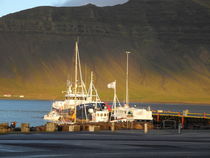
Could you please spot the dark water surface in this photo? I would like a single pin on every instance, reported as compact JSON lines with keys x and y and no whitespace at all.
{"x":32,"y":111}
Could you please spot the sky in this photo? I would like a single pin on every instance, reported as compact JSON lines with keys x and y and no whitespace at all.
{"x":11,"y":6}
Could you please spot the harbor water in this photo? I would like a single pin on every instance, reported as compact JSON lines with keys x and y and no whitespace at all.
{"x":32,"y":111}
{"x":24,"y":111}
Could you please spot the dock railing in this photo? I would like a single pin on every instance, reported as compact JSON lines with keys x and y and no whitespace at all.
{"x":181,"y":114}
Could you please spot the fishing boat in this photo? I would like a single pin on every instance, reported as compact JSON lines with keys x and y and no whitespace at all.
{"x":126,"y":112}
{"x":79,"y":102}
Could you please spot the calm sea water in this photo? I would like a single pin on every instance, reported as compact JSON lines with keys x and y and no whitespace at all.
{"x":24,"y":111}
{"x":32,"y":111}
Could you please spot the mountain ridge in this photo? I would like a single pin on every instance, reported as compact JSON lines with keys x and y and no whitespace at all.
{"x":169,"y":41}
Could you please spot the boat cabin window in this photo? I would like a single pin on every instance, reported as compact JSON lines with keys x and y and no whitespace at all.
{"x":129,"y":113}
{"x":77,"y":98}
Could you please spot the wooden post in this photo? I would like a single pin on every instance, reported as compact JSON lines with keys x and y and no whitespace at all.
{"x":182,"y":121}
{"x":51,"y":127}
{"x":4,"y":128}
{"x":93,"y":128}
{"x":74,"y":128}
{"x":25,"y":128}
{"x":179,"y":128}
{"x":112,"y":126}
{"x":132,"y":125}
{"x":145,"y":128}
{"x":158,"y":117}
{"x":204,"y":115}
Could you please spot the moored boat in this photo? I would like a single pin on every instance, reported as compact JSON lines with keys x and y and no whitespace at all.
{"x":126,"y":112}
{"x":78,"y":100}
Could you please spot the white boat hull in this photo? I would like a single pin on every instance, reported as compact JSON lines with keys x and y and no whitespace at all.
{"x":52,"y":116}
{"x":132,"y":114}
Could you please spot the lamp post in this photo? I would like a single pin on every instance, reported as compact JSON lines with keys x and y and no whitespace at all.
{"x":127,"y":95}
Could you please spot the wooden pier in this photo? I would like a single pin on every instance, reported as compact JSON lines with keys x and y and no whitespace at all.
{"x":187,"y":119}
{"x":161,"y":119}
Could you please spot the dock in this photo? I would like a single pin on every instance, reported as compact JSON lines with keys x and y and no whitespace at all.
{"x":186,"y":119}
{"x":161,"y":120}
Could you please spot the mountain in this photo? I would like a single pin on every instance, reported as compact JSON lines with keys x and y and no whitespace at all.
{"x":169,"y":41}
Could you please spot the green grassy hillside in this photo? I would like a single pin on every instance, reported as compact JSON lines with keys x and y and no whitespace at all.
{"x":169,"y":41}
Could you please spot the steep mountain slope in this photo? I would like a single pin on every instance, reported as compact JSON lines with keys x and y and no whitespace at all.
{"x":169,"y":41}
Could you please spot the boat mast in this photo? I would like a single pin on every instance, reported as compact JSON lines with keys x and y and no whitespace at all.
{"x":76,"y":66}
{"x":127,"y":95}
{"x":75,"y":88}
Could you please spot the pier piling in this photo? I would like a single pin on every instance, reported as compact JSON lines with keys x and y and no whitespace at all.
{"x":51,"y":127}
{"x":74,"y":128}
{"x":145,"y":128}
{"x":183,"y":121}
{"x":93,"y":128}
{"x":179,"y":128}
{"x":25,"y":128}
{"x":4,"y":128}
{"x":112,"y":126}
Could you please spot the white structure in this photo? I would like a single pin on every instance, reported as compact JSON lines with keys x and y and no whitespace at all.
{"x":52,"y":116}
{"x":141,"y":114}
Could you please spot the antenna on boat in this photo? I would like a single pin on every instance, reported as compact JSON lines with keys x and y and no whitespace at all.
{"x":115,"y":98}
{"x":127,"y":95}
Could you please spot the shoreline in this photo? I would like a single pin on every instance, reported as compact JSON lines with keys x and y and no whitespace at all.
{"x":132,"y":102}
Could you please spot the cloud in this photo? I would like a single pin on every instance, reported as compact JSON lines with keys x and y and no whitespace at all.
{"x":95,"y":2}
